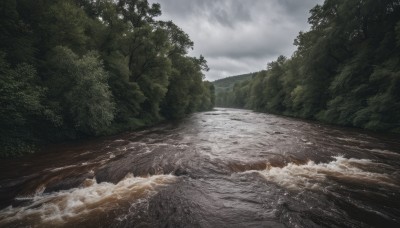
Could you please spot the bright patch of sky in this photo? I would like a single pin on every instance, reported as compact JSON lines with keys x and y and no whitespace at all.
{"x":237,"y":36}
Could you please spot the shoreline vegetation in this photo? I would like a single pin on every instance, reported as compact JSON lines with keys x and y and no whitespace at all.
{"x":345,"y":71}
{"x":77,"y":69}
{"x":74,"y":69}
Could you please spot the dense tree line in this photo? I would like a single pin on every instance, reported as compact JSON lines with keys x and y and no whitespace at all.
{"x":225,"y":97}
{"x":346,"y":69}
{"x":78,"y":68}
{"x":228,"y":83}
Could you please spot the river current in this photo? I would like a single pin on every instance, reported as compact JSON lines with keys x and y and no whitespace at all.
{"x":224,"y":168}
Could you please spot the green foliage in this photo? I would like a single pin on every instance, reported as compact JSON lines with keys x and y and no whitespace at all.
{"x":80,"y":86}
{"x":177,"y":98}
{"x":207,"y":97}
{"x":15,"y":34}
{"x":70,"y":23}
{"x":224,"y":84}
{"x":20,"y":99}
{"x":223,"y":87}
{"x":345,"y":70}
{"x":187,"y":92}
{"x":72,"y":69}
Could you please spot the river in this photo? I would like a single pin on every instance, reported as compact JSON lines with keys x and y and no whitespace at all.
{"x":224,"y":168}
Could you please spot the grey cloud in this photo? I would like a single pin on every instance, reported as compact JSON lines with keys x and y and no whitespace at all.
{"x":226,"y":13}
{"x":224,"y":67}
{"x":229,"y":14}
{"x":298,"y":7}
{"x":239,"y":36}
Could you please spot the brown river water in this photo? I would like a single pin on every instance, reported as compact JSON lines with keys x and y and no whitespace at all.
{"x":225,"y":168}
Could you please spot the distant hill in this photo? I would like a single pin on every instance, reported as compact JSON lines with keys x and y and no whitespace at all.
{"x":228,"y":83}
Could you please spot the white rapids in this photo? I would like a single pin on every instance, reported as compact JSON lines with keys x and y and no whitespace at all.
{"x":316,"y":176}
{"x":92,"y":197}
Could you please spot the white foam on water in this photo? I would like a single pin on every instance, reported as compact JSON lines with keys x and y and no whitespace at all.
{"x":62,"y":168}
{"x":316,"y":176}
{"x":92,"y":196}
{"x":353,"y":140}
{"x":386,"y":152}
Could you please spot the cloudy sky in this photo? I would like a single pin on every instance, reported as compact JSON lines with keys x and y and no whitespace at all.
{"x":239,"y":36}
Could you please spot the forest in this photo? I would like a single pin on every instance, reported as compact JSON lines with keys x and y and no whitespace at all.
{"x":228,"y":83}
{"x":224,"y":86}
{"x":345,"y":71}
{"x":72,"y":69}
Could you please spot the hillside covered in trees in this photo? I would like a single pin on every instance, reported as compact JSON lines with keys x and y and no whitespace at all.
{"x":222,"y":86}
{"x":76,"y":68}
{"x":346,"y":69}
{"x":228,"y":83}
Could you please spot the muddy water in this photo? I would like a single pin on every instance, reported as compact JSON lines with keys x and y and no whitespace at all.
{"x":226,"y":168}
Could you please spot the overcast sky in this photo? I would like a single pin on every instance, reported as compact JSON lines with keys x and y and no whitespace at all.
{"x":239,"y":36}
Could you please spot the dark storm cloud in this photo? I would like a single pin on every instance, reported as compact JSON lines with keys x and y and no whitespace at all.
{"x":239,"y":36}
